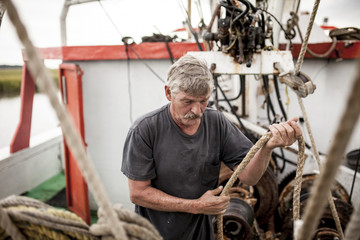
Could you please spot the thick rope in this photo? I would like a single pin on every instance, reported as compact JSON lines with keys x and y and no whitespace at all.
{"x":37,"y":220}
{"x":298,"y":179}
{"x":72,"y":137}
{"x":259,"y":144}
{"x":136,"y":227}
{"x":307,"y":36}
{"x":9,"y":227}
{"x":322,"y":184}
{"x":317,"y":157}
{"x":304,"y":48}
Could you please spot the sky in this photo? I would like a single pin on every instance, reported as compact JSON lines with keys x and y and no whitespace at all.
{"x":89,"y":24}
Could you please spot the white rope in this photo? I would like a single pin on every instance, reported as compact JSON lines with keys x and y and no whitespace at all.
{"x":72,"y":137}
{"x":307,"y":36}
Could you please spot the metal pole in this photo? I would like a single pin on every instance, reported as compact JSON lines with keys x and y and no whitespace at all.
{"x":64,"y":12}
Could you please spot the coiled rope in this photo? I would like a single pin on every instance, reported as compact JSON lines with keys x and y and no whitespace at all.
{"x":259,"y":144}
{"x":11,"y":229}
{"x":72,"y":137}
{"x":38,"y":220}
{"x":137,"y":227}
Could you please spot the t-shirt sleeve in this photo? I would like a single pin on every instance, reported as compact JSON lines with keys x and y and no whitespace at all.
{"x":137,"y":162}
{"x":235,"y":146}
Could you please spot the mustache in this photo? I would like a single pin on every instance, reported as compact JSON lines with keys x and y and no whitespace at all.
{"x":191,"y":115}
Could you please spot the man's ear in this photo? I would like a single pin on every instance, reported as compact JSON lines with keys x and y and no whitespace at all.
{"x":168,"y":92}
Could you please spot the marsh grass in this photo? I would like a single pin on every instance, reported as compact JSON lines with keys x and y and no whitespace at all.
{"x":10,"y":80}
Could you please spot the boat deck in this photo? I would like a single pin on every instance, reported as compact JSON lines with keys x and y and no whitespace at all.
{"x":52,"y":192}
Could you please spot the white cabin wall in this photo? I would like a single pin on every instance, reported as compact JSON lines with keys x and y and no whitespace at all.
{"x":107,"y":114}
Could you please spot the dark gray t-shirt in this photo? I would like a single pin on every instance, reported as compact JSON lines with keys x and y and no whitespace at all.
{"x":181,"y":165}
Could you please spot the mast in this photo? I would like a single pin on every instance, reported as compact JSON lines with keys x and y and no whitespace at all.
{"x":64,"y":12}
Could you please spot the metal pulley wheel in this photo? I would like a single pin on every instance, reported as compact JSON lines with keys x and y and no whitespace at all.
{"x":238,"y":220}
{"x":300,"y":83}
{"x":263,"y":197}
{"x":286,"y":195}
{"x":326,"y":229}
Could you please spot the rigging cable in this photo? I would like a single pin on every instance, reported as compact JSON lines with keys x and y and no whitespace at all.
{"x":125,"y":39}
{"x":169,"y":51}
{"x":285,"y":159}
{"x":132,"y":49}
{"x":250,"y":136}
{"x":188,"y":21}
{"x":281,"y":26}
{"x":276,"y":84}
{"x":241,"y":91}
{"x":354,"y":178}
{"x":269,"y":106}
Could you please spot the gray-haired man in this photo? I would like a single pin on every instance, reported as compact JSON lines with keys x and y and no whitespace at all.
{"x":172,"y":155}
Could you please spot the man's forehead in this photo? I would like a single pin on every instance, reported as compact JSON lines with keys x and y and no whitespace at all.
{"x":184,"y":96}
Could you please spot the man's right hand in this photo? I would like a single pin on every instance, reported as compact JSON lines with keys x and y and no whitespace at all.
{"x":212,"y":204}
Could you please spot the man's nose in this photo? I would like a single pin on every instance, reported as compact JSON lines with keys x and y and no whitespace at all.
{"x":196,"y":108}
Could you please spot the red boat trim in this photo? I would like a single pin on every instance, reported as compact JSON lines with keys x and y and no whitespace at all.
{"x":155,"y":50}
{"x":158,"y":50}
{"x":343,"y":49}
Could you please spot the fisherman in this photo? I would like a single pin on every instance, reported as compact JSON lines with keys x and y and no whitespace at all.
{"x":172,"y":155}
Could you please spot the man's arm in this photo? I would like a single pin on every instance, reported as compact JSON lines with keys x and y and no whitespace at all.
{"x":283,"y":134}
{"x":143,"y":194}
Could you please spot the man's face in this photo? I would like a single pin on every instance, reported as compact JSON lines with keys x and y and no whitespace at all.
{"x":186,"y":109}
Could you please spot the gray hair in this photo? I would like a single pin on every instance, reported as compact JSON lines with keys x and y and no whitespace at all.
{"x":191,"y":76}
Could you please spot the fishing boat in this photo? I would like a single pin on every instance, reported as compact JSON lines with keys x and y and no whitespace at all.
{"x":253,"y":49}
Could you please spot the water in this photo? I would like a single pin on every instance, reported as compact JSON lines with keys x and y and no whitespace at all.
{"x":43,"y":117}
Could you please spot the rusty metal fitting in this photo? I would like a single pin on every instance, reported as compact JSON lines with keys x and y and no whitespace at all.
{"x":300,"y":83}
